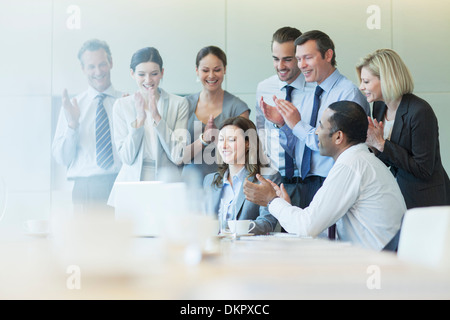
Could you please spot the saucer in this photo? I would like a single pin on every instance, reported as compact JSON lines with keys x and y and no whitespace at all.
{"x":37,"y":234}
{"x":245,"y":235}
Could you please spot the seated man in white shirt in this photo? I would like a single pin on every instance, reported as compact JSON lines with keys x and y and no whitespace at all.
{"x":360,"y":195}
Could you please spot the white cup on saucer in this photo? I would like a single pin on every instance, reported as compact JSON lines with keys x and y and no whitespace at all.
{"x":36,"y":226}
{"x":241,"y":227}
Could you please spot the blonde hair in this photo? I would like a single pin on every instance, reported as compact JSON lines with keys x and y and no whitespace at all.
{"x":394,"y":75}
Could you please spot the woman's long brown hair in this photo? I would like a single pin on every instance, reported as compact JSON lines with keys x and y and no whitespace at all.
{"x":252,"y":159}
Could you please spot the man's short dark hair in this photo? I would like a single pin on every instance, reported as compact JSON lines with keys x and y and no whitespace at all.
{"x":323,"y":42}
{"x":350,"y":118}
{"x":286,"y":34}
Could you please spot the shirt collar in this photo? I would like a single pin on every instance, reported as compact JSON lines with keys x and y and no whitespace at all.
{"x":298,"y":83}
{"x":349,"y":152}
{"x":93,"y":93}
{"x":329,"y":82}
{"x":240,"y":176}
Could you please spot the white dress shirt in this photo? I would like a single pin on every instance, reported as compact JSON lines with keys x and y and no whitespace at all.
{"x":268,"y":134}
{"x":360,"y":195}
{"x":75,"y":148}
{"x":231,"y":192}
{"x":151,"y":137}
{"x":387,"y":131}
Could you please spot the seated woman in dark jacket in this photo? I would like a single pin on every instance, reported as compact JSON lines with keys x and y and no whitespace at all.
{"x":240,"y":151}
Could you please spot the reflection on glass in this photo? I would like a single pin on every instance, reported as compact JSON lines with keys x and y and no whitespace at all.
{"x":226,"y":213}
{"x":3,"y":198}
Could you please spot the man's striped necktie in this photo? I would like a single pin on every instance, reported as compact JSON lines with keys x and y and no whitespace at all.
{"x":103,"y":143}
{"x":288,"y":160}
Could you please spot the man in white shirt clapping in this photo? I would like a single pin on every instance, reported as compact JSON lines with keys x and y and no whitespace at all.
{"x":359,"y":195}
{"x":83,"y":136}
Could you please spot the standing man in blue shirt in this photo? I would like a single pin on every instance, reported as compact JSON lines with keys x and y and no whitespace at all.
{"x":287,"y":74}
{"x":316,"y":58}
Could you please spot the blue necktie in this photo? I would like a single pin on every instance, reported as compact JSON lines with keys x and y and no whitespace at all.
{"x":103,"y":143}
{"x":288,"y":161}
{"x":306,"y":161}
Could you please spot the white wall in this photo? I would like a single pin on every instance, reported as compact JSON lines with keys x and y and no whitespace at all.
{"x":25,"y":104}
{"x":40,"y":44}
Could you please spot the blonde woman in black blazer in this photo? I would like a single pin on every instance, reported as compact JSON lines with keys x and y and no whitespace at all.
{"x":404,"y":133}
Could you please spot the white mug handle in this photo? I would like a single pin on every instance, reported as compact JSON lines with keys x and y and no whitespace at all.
{"x":253,"y":227}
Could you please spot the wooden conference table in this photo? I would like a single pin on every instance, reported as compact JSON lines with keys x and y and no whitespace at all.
{"x":279,"y":266}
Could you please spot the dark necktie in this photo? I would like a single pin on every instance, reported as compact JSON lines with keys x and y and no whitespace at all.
{"x":306,"y":160}
{"x":103,"y":143}
{"x":288,"y":161}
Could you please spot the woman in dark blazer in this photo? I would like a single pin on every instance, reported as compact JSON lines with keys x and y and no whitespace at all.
{"x":404,"y":133}
{"x":239,"y":151}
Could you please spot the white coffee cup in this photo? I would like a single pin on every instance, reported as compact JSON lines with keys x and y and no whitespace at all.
{"x":37,"y":226}
{"x":241,"y":226}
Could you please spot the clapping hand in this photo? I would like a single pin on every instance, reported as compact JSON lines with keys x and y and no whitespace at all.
{"x":375,"y":134}
{"x":280,"y":190}
{"x":210,"y":128}
{"x":139,"y":104}
{"x":71,"y":110}
{"x":291,"y":115}
{"x":261,"y":193}
{"x":271,"y":113}
{"x":152,"y":98}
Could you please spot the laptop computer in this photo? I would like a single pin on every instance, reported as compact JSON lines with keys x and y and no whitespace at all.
{"x":147,"y":203}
